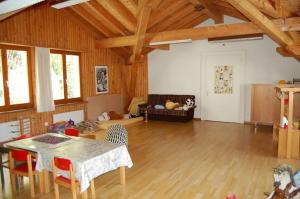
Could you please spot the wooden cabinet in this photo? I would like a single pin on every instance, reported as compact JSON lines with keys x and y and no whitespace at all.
{"x":265,"y":106}
{"x":286,"y":141}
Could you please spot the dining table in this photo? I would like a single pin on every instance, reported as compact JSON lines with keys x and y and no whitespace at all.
{"x":90,"y":158}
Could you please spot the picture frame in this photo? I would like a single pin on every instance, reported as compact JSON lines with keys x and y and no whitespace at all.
{"x":101,"y":79}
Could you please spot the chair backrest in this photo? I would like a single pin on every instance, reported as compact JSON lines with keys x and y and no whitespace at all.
{"x":72,"y":132}
{"x":62,"y":164}
{"x":19,"y":155}
{"x":24,"y":136}
{"x":117,"y":134}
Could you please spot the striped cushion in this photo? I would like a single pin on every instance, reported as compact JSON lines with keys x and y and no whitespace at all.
{"x":117,"y":134}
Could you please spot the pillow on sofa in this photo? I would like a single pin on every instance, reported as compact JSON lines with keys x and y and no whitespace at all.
{"x":158,"y":106}
{"x":171,"y":105}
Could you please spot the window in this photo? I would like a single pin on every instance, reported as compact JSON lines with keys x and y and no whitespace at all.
{"x":15,"y":78}
{"x":65,"y":76}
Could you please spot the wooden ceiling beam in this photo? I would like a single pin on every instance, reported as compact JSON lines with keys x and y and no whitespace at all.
{"x":104,"y":16}
{"x":140,"y":34}
{"x":295,"y":36}
{"x":282,"y":51}
{"x":131,"y":6}
{"x":120,"y":12}
{"x":232,"y":12}
{"x":266,"y":7}
{"x":160,"y":47}
{"x":295,"y":50}
{"x":219,"y":30}
{"x":251,"y":12}
{"x":194,"y":34}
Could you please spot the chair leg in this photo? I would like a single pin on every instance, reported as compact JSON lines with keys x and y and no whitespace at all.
{"x":31,"y":177}
{"x":31,"y":184}
{"x":84,"y":195}
{"x":13,"y":181}
{"x":1,"y":170}
{"x":41,"y":182}
{"x":74,"y":191}
{"x":12,"y":176}
{"x":56,"y":190}
{"x":93,"y":189}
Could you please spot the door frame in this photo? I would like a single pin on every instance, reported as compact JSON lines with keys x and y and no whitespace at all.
{"x":203,"y":95}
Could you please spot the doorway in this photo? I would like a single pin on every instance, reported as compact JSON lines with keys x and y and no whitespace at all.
{"x":223,"y":86}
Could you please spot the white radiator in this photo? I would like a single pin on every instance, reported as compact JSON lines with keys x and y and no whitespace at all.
{"x":9,"y":130}
{"x":76,"y":116}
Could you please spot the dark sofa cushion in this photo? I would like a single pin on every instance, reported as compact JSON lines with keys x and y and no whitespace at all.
{"x":154,"y":99}
{"x":167,"y":112}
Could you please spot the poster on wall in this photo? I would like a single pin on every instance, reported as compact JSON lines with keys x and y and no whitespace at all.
{"x":223,"y":79}
{"x":101,"y":77}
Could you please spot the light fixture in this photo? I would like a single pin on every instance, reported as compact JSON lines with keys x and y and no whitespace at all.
{"x":67,"y":3}
{"x":236,"y":38}
{"x":13,"y":5}
{"x":170,"y":42}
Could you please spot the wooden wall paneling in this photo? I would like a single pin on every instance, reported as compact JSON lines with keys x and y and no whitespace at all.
{"x":164,"y":11}
{"x":30,"y":28}
{"x":177,"y":16}
{"x":86,"y":14}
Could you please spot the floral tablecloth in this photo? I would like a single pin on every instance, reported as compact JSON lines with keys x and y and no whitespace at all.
{"x":90,"y":158}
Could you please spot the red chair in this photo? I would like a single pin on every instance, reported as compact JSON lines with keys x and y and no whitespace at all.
{"x":72,"y":132}
{"x":24,"y":136}
{"x":66,"y":165}
{"x":25,"y":168}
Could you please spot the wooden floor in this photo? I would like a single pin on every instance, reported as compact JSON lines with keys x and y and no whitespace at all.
{"x":188,"y":160}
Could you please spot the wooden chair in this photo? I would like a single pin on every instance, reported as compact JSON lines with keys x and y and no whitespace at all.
{"x":26,"y":167}
{"x":72,"y":183}
{"x":25,"y":126}
{"x":72,"y":132}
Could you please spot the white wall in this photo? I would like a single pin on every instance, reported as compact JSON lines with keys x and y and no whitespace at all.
{"x":178,"y":71}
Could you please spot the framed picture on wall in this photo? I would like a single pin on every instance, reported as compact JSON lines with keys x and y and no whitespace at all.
{"x":101,"y":79}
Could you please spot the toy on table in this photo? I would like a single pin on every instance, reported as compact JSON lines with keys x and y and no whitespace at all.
{"x":60,"y":126}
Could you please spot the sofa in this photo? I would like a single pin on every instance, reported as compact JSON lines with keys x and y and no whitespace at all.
{"x":165,"y":114}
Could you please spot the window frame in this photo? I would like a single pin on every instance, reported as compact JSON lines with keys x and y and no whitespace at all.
{"x":64,"y":60}
{"x":7,"y":106}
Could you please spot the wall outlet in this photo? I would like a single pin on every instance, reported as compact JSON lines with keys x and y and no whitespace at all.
{"x":46,"y":124}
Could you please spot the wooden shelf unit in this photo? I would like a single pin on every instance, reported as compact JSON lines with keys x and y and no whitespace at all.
{"x":286,"y":141}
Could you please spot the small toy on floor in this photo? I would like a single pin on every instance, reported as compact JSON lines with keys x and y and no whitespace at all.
{"x":285,"y":186}
{"x":231,"y":197}
{"x":104,"y":117}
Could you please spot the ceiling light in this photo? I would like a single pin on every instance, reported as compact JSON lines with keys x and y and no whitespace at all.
{"x":170,"y":42}
{"x":68,"y":3}
{"x":12,"y":5}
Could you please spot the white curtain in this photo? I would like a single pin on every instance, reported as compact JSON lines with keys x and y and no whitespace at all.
{"x":44,"y":97}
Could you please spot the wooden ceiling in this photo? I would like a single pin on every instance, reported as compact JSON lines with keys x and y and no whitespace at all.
{"x":128,"y":26}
